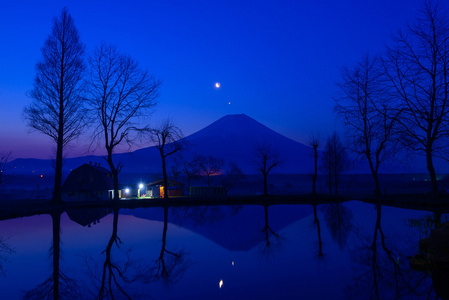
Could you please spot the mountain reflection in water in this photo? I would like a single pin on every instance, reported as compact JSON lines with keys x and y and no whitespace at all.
{"x":334,"y":251}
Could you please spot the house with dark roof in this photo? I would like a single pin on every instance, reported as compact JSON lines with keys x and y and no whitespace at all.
{"x":88,"y":183}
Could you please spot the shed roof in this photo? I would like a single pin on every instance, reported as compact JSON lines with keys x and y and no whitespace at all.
{"x":161,"y":182}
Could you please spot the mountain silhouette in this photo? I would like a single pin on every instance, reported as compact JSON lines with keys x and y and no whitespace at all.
{"x":232,"y":138}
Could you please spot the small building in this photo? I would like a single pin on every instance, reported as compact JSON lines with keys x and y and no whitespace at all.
{"x":156,"y":189}
{"x":88,"y":183}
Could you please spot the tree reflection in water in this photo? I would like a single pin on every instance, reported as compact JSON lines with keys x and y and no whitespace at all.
{"x":5,"y":250}
{"x":383,"y":273}
{"x":170,"y":265}
{"x":58,"y":285}
{"x":115,"y":276}
{"x":433,"y":256}
{"x":316,"y":222}
{"x":200,"y":215}
{"x":339,"y":221}
{"x":273,"y":241}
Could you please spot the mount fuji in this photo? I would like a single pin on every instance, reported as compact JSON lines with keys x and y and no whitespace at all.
{"x":232,"y":138}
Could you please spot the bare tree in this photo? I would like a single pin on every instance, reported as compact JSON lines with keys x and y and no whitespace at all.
{"x":192,"y":170}
{"x":209,"y":166}
{"x":56,"y":110}
{"x":315,"y":142}
{"x":335,"y":161}
{"x":176,"y":167}
{"x":418,"y":69}
{"x":168,"y":140}
{"x":362,"y":106}
{"x":266,"y":157}
{"x":119,"y":93}
{"x":5,"y":158}
{"x":233,"y":175}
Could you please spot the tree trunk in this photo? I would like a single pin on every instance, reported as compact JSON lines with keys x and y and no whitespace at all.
{"x":59,"y":142}
{"x":164,"y":174}
{"x":433,"y":176}
{"x":375,"y":175}
{"x":315,"y":176}
{"x":265,"y":183}
{"x":58,"y":165}
{"x":58,"y":173}
{"x":56,"y":220}
{"x":336,"y":181}
{"x":376,"y":184}
{"x":114,"y":176}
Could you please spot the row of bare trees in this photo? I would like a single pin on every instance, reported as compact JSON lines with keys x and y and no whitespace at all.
{"x":399,"y":100}
{"x":111,"y":93}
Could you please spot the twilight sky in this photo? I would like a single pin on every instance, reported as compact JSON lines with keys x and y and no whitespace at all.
{"x":276,"y":60}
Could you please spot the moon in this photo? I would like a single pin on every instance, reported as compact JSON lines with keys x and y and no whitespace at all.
{"x":217,"y":85}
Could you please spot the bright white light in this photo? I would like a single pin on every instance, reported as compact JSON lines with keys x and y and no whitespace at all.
{"x":217,"y":85}
{"x":141,"y":186}
{"x":220,"y":284}
{"x":229,"y":102}
{"x":127,"y":191}
{"x":232,"y":263}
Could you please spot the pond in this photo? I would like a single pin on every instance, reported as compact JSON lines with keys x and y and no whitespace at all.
{"x":334,"y":251}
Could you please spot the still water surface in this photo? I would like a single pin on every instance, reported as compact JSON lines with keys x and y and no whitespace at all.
{"x":339,"y":251}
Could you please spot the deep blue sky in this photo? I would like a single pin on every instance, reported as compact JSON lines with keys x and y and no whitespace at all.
{"x":277,"y":61}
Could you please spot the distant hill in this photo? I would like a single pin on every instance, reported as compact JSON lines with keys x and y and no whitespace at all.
{"x":231,"y":138}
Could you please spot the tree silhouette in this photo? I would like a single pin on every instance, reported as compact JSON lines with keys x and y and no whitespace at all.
{"x":334,"y":161}
{"x":315,"y":142}
{"x":5,"y":158}
{"x":209,"y":166}
{"x":418,"y":70}
{"x":266,"y":157}
{"x":56,"y":110}
{"x":233,"y":175}
{"x":168,"y":140}
{"x":191,"y":170}
{"x":119,"y":92}
{"x":362,"y":106}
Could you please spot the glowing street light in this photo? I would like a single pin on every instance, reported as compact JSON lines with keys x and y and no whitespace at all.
{"x":220,"y":284}
{"x":138,"y":191}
